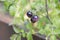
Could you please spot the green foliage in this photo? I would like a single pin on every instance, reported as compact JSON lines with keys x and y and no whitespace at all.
{"x":15,"y":37}
{"x":16,"y":29}
{"x":18,"y":9}
{"x":29,"y":36}
{"x":53,"y":37}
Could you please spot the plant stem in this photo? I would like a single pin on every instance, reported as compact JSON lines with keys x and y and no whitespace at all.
{"x":11,"y":5}
{"x":46,"y":4}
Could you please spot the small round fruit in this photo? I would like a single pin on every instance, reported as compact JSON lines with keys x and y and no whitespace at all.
{"x":34,"y":18}
{"x":29,"y":14}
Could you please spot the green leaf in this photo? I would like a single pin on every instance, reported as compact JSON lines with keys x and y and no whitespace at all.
{"x":23,"y":33}
{"x":12,"y":10}
{"x":29,"y":36}
{"x":29,"y":25}
{"x":17,"y":20}
{"x":6,"y":4}
{"x":18,"y":37}
{"x":53,"y":37}
{"x":24,"y":2}
{"x":13,"y":37}
{"x":16,"y":29}
{"x":42,"y":22}
{"x":58,"y":6}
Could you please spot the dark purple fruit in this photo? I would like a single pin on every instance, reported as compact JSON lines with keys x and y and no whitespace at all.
{"x":34,"y":18}
{"x":29,"y":14}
